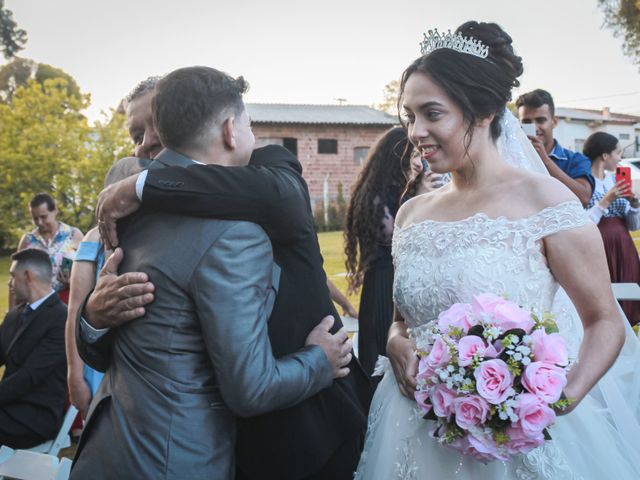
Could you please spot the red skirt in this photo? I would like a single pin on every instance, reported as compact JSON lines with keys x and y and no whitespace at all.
{"x":622,"y":257}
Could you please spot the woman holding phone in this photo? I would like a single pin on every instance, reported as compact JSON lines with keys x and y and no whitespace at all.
{"x":615,"y":210}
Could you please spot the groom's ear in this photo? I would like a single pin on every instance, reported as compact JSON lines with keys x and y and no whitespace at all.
{"x":228,"y":133}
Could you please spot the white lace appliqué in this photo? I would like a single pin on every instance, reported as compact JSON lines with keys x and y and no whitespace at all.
{"x":439,"y":263}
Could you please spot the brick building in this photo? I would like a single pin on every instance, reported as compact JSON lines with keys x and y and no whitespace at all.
{"x":331,"y":141}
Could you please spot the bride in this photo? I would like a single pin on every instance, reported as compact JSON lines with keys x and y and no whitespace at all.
{"x":503,"y":226}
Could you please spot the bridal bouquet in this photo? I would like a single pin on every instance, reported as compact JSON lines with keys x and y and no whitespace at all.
{"x":490,"y":374}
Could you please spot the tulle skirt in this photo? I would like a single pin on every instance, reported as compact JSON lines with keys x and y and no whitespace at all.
{"x":598,"y":440}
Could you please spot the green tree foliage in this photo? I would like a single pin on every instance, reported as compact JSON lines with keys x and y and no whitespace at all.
{"x":12,"y":38}
{"x":17,"y":72}
{"x":390,"y":94}
{"x":623,"y":18}
{"x":47,"y":145}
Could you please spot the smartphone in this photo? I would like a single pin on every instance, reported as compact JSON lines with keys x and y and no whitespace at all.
{"x":623,"y":174}
{"x":65,"y":266}
{"x":529,"y":129}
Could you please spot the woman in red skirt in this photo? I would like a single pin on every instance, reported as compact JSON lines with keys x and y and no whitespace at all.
{"x":616,"y":212}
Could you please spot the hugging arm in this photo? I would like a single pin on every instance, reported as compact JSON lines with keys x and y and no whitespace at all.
{"x":272,"y":196}
{"x":233,"y":296}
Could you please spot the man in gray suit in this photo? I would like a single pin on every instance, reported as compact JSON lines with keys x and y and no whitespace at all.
{"x":200,"y":355}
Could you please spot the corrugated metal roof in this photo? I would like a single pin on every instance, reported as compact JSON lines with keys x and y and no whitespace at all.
{"x":595,"y":115}
{"x":318,"y":114}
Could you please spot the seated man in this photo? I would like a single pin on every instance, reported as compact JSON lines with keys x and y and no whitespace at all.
{"x":33,"y":388}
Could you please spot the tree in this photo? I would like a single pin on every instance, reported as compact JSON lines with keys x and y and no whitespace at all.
{"x":16,"y":73}
{"x":389,"y":103}
{"x":47,"y":145}
{"x":623,"y":17}
{"x":12,"y":38}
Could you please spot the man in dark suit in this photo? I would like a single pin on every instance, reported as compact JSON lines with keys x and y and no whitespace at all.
{"x":320,"y":437}
{"x":200,"y":355}
{"x":33,"y":388}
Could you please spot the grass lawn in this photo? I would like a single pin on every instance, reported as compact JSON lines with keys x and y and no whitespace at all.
{"x":330,"y":244}
{"x":332,"y":248}
{"x":636,"y":239}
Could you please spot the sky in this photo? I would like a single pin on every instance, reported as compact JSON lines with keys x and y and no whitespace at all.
{"x":315,"y":52}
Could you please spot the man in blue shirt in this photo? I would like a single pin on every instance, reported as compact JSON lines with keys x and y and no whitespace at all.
{"x":571,"y":168}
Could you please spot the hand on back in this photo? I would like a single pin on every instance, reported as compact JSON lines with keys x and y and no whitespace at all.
{"x":337,"y":346}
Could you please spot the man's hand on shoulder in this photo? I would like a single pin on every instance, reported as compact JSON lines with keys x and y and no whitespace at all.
{"x":115,"y":202}
{"x":117,"y":299}
{"x":337,"y":347}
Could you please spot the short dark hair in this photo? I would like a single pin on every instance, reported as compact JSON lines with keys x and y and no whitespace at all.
{"x":41,"y":198}
{"x":536,"y":99}
{"x":599,"y":143}
{"x":188,"y":101}
{"x":35,"y":260}
{"x":142,"y":88}
{"x":480,"y":86}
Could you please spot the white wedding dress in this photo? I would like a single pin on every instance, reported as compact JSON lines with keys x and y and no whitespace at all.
{"x":440,"y":263}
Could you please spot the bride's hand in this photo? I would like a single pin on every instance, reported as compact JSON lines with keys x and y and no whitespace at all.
{"x":404,"y":361}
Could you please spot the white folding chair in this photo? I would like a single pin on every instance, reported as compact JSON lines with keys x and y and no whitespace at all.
{"x":352,"y":326}
{"x":62,"y":440}
{"x":26,"y":465}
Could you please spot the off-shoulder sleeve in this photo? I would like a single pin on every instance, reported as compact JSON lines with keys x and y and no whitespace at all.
{"x":557,"y":218}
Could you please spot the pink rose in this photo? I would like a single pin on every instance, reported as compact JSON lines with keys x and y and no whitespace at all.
{"x":549,"y":348}
{"x":422,"y":398}
{"x":439,"y":354}
{"x":493,"y":380}
{"x":458,"y":315}
{"x":521,"y":443}
{"x":442,"y":400}
{"x":468,"y":347}
{"x":425,"y":371}
{"x":545,"y":380}
{"x":486,"y":303}
{"x":470,"y":410}
{"x":508,"y":316}
{"x":491,"y":351}
{"x":486,"y":449}
{"x":534,"y":415}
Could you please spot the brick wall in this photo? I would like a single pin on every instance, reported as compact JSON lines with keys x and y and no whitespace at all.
{"x":341,"y":167}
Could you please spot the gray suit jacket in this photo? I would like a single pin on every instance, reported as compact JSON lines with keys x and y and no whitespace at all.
{"x":200,"y":355}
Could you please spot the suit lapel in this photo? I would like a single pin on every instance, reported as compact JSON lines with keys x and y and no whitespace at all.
{"x":24,"y":324}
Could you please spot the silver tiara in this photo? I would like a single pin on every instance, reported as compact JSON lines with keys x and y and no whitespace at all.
{"x":454,"y":41}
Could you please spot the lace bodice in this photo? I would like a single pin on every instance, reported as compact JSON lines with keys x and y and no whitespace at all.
{"x":441,"y":263}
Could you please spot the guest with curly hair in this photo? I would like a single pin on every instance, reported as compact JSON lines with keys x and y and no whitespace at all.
{"x":368,"y":232}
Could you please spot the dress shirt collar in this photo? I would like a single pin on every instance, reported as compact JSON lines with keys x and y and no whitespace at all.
{"x":41,"y":300}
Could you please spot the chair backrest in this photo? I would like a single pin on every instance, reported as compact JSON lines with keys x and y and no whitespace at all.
{"x":26,"y":465}
{"x":53,"y":447}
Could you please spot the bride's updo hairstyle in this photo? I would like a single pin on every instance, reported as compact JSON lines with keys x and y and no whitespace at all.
{"x":480,"y":86}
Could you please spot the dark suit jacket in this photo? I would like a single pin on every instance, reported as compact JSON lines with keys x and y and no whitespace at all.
{"x":34,"y":385}
{"x":199,"y":356}
{"x":271,"y":192}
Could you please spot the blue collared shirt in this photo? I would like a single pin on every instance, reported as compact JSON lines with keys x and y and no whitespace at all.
{"x":574,"y":164}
